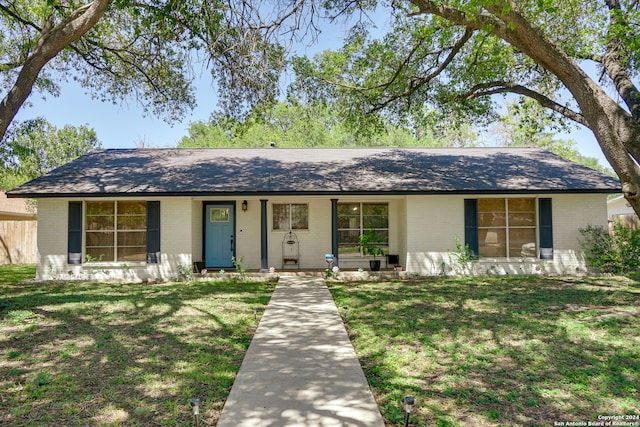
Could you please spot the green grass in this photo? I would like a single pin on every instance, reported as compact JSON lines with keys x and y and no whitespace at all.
{"x":16,"y":273}
{"x":511,"y":351}
{"x":82,"y":354}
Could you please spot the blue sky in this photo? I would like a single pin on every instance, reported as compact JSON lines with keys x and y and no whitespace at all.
{"x":117,"y":126}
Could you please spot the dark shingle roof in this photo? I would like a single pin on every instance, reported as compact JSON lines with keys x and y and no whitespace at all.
{"x":149,"y":172}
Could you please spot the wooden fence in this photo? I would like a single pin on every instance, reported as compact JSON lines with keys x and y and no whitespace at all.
{"x":18,"y":241}
{"x":630,"y":221}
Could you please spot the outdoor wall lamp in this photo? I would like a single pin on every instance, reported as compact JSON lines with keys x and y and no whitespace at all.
{"x":245,"y":205}
{"x":409,"y":401}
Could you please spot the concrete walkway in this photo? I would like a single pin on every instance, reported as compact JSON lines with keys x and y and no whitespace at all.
{"x":300,"y":369}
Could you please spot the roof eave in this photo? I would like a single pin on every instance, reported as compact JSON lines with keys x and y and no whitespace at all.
{"x":309,"y":193}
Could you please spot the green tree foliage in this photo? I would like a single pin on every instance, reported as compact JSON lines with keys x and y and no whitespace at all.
{"x":617,"y":252}
{"x":36,"y":147}
{"x":527,"y":124}
{"x":439,"y":60}
{"x":454,"y":57}
{"x":294,"y":124}
{"x":146,"y":50}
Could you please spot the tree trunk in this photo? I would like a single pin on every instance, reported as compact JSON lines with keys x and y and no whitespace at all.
{"x":617,"y":132}
{"x":52,"y":40}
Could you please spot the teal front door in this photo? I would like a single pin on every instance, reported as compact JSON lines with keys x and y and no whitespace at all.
{"x":219,"y":245}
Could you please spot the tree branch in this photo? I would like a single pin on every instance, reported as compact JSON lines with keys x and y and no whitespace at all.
{"x":401,"y":67}
{"x":419,"y":82}
{"x":492,"y":88}
{"x":19,"y":18}
{"x":53,"y":39}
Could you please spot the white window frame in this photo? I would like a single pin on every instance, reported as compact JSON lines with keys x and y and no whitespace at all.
{"x":289,"y":217}
{"x":115,"y":230}
{"x":362,"y":229}
{"x":508,"y":228}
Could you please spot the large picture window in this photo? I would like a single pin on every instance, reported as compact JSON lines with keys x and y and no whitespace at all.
{"x":116,"y":231}
{"x":507,"y":227}
{"x":355,"y":219}
{"x":290,"y":216}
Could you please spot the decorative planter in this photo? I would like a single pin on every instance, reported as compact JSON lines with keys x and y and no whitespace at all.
{"x":374,"y":264}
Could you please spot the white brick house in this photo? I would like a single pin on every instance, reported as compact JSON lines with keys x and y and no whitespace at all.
{"x":139,"y":214}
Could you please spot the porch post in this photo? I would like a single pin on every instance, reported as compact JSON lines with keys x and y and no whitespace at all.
{"x":264,"y":257}
{"x":334,"y":229}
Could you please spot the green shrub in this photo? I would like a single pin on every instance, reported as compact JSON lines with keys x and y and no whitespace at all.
{"x":618,"y":252}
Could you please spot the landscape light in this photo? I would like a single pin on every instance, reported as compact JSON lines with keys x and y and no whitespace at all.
{"x":409,"y":401}
{"x":195,"y":404}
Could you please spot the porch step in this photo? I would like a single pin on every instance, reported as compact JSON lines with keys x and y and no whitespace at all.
{"x":343,"y":276}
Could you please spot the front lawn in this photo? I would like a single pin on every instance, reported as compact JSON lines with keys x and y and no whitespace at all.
{"x":15,"y":273}
{"x":82,"y":354}
{"x":511,"y":351}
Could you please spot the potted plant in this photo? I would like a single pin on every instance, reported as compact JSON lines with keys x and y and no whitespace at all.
{"x":370,"y":244}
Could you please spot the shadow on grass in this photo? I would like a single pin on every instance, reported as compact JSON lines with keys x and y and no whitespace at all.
{"x":114,"y":354}
{"x":498,"y":351}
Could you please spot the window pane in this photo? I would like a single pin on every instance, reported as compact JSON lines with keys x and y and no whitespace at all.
{"x":101,"y":208}
{"x":99,"y":239}
{"x":492,"y":242}
{"x":349,"y":215}
{"x":100,"y":222}
{"x":132,"y":238}
{"x":522,"y":242}
{"x":219,"y":215}
{"x":375,"y":215}
{"x":281,"y":217}
{"x":100,"y":216}
{"x":132,"y":253}
{"x":100,"y":253}
{"x":491,"y":213}
{"x":491,"y":205}
{"x":518,"y":219}
{"x":378,"y":209}
{"x":522,"y":205}
{"x":522,"y":212}
{"x":355,"y":219}
{"x":375,"y":222}
{"x":132,"y":222}
{"x":300,"y":216}
{"x":348,"y":242}
{"x":348,"y":208}
{"x":99,"y":246}
{"x":348,"y":237}
{"x":492,"y":219}
{"x":132,"y":208}
{"x":348,"y":250}
{"x":384,"y":237}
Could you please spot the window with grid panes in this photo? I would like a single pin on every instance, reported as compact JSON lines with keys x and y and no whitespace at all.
{"x":290,"y":216}
{"x":116,"y":231}
{"x":355,"y":219}
{"x":507,"y":227}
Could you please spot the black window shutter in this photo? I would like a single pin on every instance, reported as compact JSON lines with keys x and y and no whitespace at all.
{"x":74,"y":239}
{"x":471,"y":225}
{"x":545,"y":223}
{"x":153,"y":232}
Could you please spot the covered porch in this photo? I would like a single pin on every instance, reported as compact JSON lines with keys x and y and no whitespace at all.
{"x":294,"y":233}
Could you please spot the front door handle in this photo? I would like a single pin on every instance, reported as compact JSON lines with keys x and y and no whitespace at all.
{"x":231,"y":244}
